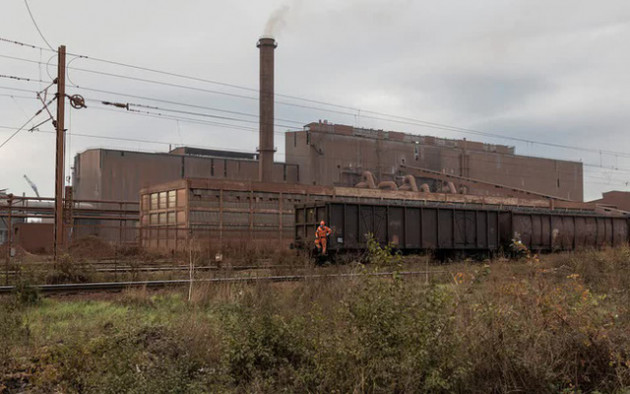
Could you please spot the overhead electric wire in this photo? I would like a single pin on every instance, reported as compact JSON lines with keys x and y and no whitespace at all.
{"x":18,"y":97}
{"x":360,"y":112}
{"x":18,"y":89}
{"x":184,"y":119}
{"x":200,"y":114}
{"x":19,"y":129}
{"x":16,"y":78}
{"x":301,"y":123}
{"x":254,"y":130}
{"x":36,"y":26}
{"x":123,"y":139}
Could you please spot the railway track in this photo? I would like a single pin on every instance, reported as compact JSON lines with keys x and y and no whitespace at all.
{"x":153,"y":284}
{"x":175,"y":268}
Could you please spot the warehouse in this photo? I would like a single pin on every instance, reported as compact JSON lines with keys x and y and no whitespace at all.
{"x":329,"y":154}
{"x":117,"y":175}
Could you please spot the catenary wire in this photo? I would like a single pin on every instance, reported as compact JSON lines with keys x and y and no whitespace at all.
{"x":360,"y":112}
{"x":18,"y":130}
{"x":36,"y":26}
{"x":161,"y":115}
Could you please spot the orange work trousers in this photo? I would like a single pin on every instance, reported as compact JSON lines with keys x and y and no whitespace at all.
{"x":321,"y":244}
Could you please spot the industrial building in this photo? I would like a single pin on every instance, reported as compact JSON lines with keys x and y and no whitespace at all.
{"x":118,"y":175}
{"x":615,"y":199}
{"x":325,"y":154}
{"x":329,"y":154}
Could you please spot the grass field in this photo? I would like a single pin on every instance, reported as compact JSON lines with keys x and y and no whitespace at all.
{"x":558,"y":323}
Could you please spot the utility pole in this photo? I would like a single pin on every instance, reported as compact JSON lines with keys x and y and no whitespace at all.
{"x":59,"y":167}
{"x":9,"y":240}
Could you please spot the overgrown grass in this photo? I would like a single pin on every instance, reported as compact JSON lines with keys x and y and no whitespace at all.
{"x":558,"y":323}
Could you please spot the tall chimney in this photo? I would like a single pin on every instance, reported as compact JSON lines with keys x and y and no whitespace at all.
{"x":266,"y":148}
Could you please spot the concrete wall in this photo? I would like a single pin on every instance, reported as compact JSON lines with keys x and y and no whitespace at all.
{"x":328,"y":155}
{"x":103,"y":174}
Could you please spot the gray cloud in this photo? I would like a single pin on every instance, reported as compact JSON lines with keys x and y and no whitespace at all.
{"x":547,"y":70}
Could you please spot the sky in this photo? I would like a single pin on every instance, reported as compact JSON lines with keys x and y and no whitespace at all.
{"x":553,"y":71}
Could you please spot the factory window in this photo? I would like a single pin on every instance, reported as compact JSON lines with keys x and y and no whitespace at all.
{"x":171,"y":218}
{"x":154,"y":219}
{"x":558,"y":182}
{"x":154,"y":201}
{"x":172,"y":199}
{"x":145,"y":202}
{"x":211,"y":167}
{"x":308,"y":138}
{"x":163,"y":198}
{"x":162,"y":219}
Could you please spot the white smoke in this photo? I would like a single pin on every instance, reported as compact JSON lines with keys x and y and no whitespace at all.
{"x":278,"y":19}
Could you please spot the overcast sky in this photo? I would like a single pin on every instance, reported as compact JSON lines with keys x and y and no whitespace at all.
{"x":550,"y":71}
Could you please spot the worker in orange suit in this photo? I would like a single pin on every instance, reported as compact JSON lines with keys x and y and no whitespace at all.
{"x":320,"y":236}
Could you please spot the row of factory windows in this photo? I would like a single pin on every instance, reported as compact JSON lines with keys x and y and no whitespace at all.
{"x":168,"y":199}
{"x":162,"y":219}
{"x":162,"y":200}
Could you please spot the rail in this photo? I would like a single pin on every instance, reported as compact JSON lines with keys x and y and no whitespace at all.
{"x":119,"y":286}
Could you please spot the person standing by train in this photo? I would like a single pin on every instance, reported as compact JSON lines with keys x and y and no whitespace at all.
{"x":321,"y":235}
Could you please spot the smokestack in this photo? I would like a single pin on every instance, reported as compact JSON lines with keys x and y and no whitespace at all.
{"x":266,"y":148}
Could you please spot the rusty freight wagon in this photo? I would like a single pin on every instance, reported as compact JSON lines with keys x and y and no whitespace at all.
{"x":413,"y":227}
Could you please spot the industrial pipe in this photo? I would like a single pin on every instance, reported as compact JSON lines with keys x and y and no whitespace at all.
{"x":367,"y":181}
{"x":388,"y":185}
{"x":424,"y":188}
{"x":409,"y":183}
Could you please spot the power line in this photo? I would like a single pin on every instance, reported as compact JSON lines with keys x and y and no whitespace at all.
{"x":18,"y":89}
{"x":359,"y":112}
{"x":178,"y":103}
{"x":36,"y":26}
{"x":253,"y":130}
{"x":184,"y":119}
{"x":18,"y":97}
{"x":22,"y":44}
{"x":16,"y":78}
{"x":200,"y":114}
{"x":18,"y":130}
{"x":122,"y":139}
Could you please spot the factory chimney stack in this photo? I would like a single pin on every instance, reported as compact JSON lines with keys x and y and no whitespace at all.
{"x":266,"y":149}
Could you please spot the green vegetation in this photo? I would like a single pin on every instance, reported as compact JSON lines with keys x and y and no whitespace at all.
{"x":559,"y":323}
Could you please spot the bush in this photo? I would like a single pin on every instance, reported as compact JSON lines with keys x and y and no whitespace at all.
{"x":68,"y":270}
{"x":549,"y":325}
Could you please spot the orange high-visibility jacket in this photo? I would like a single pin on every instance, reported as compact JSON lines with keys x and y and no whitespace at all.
{"x":322,"y":232}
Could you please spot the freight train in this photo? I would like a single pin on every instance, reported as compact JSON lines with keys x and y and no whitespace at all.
{"x":445,"y":229}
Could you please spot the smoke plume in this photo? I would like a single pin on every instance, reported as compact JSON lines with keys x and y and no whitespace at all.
{"x":278,"y":19}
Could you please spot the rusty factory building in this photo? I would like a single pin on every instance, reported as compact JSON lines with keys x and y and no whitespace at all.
{"x":325,"y":154}
{"x":329,"y":154}
{"x":106,"y":174}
